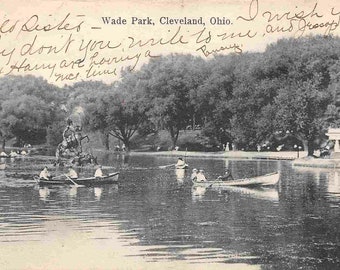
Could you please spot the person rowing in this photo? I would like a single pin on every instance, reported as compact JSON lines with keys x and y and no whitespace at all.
{"x":180,"y":162}
{"x":227,"y":176}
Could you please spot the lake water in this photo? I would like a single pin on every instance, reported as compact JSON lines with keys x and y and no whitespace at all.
{"x":155,"y":219}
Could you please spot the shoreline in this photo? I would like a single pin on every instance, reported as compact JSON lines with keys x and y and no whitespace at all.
{"x":289,"y":155}
{"x":302,"y":162}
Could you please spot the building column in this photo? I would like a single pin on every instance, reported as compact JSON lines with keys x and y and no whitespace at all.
{"x":336,"y":146}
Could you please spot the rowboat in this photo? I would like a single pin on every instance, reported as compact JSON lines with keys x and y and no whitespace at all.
{"x":111,"y":178}
{"x":269,"y":179}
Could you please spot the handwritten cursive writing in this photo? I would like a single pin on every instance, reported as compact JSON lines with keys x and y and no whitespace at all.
{"x":236,"y":48}
{"x":33,"y":24}
{"x":252,"y":12}
{"x":73,"y":55}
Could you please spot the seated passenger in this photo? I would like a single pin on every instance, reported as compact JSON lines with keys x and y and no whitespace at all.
{"x":72,"y":173}
{"x":99,"y":173}
{"x":13,"y":154}
{"x":227,"y":176}
{"x":45,"y":175}
{"x":194,"y":175}
{"x":201,"y":177}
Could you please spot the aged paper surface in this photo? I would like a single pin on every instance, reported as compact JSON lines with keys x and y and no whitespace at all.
{"x":70,"y":41}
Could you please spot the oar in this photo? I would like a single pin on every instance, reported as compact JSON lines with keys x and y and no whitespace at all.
{"x":73,"y":181}
{"x":36,"y":178}
{"x":166,"y":166}
{"x":185,"y":156}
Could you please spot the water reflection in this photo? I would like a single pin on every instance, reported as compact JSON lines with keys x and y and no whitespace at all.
{"x":98,"y":192}
{"x":198,"y":192}
{"x":180,"y":175}
{"x":270,"y":194}
{"x":328,"y":180}
{"x":149,"y":218}
{"x":334,"y":184}
{"x":72,"y":192}
{"x":44,"y":192}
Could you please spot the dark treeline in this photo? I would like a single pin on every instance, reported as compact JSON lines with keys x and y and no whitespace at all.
{"x":284,"y":95}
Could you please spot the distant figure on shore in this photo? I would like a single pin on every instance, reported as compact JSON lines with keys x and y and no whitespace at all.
{"x":279,"y":148}
{"x":72,"y":173}
{"x":123,"y":147}
{"x":158,"y":148}
{"x":99,"y":173}
{"x":258,"y":148}
{"x":227,"y":176}
{"x":176,"y":148}
{"x":227,"y":147}
{"x":201,"y":176}
{"x":194,"y":174}
{"x":45,"y":174}
{"x":117,"y":148}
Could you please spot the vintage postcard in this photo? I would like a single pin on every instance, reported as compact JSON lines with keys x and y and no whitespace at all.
{"x":169,"y":134}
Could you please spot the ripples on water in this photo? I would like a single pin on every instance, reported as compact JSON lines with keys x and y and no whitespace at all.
{"x":155,"y":215}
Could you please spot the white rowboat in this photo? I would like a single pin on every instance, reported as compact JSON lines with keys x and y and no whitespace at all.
{"x":270,"y":179}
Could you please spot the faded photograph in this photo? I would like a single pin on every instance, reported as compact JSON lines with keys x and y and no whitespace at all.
{"x":169,"y":135}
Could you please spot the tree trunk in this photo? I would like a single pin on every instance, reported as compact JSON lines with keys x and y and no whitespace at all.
{"x":4,"y":144}
{"x":174,"y":141}
{"x":174,"y":136}
{"x":126,"y":142}
{"x":308,"y":145}
{"x":106,"y":140}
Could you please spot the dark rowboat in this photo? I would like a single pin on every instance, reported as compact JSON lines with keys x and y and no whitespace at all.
{"x":111,"y":178}
{"x":270,"y":179}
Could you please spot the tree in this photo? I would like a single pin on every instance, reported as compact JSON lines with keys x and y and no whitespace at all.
{"x":305,"y":99}
{"x":118,"y":113}
{"x":28,"y":105}
{"x":253,"y":93}
{"x":288,"y":87}
{"x":167,"y":83}
{"x":301,"y":108}
{"x":213,"y":97}
{"x":80,"y":94}
{"x":25,"y":118}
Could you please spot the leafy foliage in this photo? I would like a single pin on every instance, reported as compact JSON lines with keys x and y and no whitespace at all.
{"x":248,"y":100}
